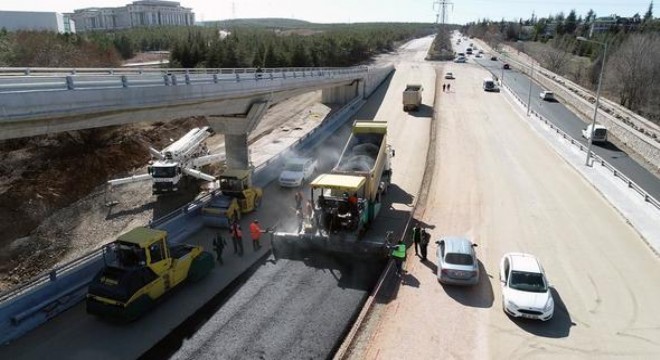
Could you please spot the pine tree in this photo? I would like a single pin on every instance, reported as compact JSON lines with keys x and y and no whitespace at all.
{"x":648,"y":16}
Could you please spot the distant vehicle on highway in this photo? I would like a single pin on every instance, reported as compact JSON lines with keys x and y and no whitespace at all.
{"x":449,"y":76}
{"x":478,"y":55}
{"x":468,"y":51}
{"x":506,"y":66}
{"x":493,"y":58}
{"x":525,"y":289}
{"x":490,"y":85}
{"x":296,"y":171}
{"x":460,"y":59}
{"x":547,"y":96}
{"x":481,"y":51}
{"x":460,"y":54}
{"x":457,"y":261}
{"x":600,"y":133}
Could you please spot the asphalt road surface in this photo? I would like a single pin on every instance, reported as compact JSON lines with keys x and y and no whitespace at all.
{"x":563,"y":118}
{"x":499,"y":183}
{"x":300,"y":309}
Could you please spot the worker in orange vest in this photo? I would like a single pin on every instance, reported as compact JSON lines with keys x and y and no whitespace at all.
{"x":255,"y":232}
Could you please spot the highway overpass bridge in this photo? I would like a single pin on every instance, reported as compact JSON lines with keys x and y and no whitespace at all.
{"x":41,"y":101}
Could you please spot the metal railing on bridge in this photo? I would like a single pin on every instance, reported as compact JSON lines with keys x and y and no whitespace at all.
{"x":49,"y":79}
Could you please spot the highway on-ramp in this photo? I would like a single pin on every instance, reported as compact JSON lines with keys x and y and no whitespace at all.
{"x":499,"y":183}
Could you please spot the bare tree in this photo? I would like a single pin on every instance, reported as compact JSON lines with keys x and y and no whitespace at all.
{"x":633,"y":70}
{"x":555,"y":57}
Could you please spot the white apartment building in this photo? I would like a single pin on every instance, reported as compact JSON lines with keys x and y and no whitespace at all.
{"x":33,"y":20}
{"x":137,"y":14}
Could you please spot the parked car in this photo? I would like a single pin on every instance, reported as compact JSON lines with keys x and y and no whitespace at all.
{"x":493,"y":58}
{"x":457,"y":261}
{"x":506,"y":66}
{"x":547,"y":96}
{"x":296,"y":171}
{"x":449,"y":75}
{"x":525,"y":289}
{"x":600,"y":133}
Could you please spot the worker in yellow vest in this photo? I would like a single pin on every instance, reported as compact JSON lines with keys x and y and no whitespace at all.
{"x":399,"y":255}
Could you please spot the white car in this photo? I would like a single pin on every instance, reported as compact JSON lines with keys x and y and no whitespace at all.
{"x":547,"y":96}
{"x":296,"y":171}
{"x":460,"y":59}
{"x":525,"y":290}
{"x":449,"y":76}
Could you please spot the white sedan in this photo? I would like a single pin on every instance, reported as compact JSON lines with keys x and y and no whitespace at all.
{"x":525,"y":290}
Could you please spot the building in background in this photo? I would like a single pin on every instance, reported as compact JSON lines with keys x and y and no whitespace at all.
{"x":138,"y":14}
{"x":32,"y":20}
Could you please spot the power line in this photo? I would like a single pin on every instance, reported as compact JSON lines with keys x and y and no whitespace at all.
{"x":441,"y":11}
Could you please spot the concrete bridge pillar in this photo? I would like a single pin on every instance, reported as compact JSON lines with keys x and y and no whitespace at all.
{"x":236,"y":129}
{"x":342,"y":94}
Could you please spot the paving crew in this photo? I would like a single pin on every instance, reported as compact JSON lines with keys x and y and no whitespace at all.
{"x":416,"y":237}
{"x":255,"y":233}
{"x":399,"y":255}
{"x":219,"y":244}
{"x":424,"y":244}
{"x":237,"y":238}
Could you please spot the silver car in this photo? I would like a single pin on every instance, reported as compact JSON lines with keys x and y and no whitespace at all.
{"x":457,"y":261}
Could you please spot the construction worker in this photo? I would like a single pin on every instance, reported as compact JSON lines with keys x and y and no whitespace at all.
{"x":255,"y":233}
{"x":416,"y":237}
{"x":424,"y":243}
{"x":299,"y":199}
{"x":237,"y":238}
{"x":219,"y":244}
{"x":399,"y":255}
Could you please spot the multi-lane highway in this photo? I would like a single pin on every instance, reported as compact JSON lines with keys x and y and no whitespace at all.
{"x":571,"y":124}
{"x":498,"y":182}
{"x":495,"y":181}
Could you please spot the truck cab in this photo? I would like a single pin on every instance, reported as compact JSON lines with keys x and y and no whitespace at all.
{"x":166,"y":176}
{"x":599,"y":133}
{"x":296,"y":171}
{"x":490,"y":85}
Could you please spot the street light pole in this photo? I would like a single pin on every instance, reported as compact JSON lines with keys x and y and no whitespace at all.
{"x":529,"y":96}
{"x":600,"y":80}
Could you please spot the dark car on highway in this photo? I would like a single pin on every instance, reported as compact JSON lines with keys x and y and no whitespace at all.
{"x":506,"y":67}
{"x":493,"y":58}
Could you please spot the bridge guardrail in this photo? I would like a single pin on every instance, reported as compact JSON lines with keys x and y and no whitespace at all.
{"x":76,"y":79}
{"x":617,"y":174}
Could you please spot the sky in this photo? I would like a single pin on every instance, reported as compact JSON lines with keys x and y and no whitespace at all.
{"x":351,"y":11}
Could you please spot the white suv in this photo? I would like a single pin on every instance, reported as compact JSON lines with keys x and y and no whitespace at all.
{"x":525,"y":290}
{"x":296,"y":171}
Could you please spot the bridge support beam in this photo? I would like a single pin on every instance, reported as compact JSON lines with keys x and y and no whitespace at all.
{"x":342,"y":94}
{"x":236,"y":129}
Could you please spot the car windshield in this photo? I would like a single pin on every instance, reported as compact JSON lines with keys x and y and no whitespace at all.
{"x":293,"y":167}
{"x":459,"y":259}
{"x":527,"y":281}
{"x":600,"y":132}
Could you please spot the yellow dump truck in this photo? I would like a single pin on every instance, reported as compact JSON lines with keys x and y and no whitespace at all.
{"x":140,"y":268}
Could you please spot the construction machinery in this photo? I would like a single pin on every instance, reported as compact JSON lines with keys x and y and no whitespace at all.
{"x":181,"y":158}
{"x":237,"y":196}
{"x":347,"y":200}
{"x":140,"y":267}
